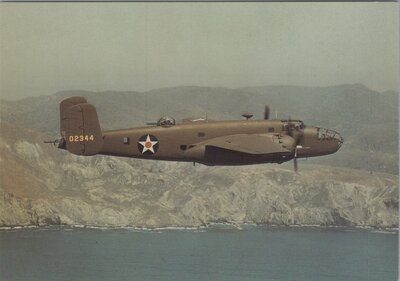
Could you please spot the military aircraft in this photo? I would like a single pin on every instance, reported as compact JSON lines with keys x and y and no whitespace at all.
{"x":209,"y":142}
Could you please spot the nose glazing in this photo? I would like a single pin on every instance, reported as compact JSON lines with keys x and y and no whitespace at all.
{"x":326,"y":134}
{"x":339,"y":140}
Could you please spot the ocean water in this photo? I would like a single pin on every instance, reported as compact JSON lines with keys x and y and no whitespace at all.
{"x":252,"y":253}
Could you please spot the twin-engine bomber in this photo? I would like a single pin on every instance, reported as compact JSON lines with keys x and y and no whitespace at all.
{"x":209,"y":142}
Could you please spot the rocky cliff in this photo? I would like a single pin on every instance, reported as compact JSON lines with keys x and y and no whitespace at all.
{"x":42,"y":185}
{"x":358,"y":185}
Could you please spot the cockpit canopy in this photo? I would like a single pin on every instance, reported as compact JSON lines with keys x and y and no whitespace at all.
{"x":166,"y":121}
{"x":297,"y":124}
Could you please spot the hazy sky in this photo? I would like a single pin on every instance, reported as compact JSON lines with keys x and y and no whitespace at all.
{"x":47,"y":47}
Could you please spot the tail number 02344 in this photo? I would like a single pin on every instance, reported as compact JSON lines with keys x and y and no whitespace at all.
{"x":78,"y":138}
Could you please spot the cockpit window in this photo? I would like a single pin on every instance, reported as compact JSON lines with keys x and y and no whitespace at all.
{"x":290,"y":124}
{"x":166,"y":121}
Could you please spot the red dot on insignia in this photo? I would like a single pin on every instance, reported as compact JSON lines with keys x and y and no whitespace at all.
{"x":147,"y":144}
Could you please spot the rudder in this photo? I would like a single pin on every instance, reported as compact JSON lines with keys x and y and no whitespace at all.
{"x":79,"y":127}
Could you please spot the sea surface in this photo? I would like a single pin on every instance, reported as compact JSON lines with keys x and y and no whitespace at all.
{"x":216,"y":253}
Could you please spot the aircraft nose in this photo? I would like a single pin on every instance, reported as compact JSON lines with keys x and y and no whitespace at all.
{"x":317,"y":141}
{"x":339,"y":140}
{"x":334,"y":136}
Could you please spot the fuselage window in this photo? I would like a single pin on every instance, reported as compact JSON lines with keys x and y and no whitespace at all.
{"x":201,"y":134}
{"x":270,"y":130}
{"x":126,"y":140}
{"x":183,"y":147}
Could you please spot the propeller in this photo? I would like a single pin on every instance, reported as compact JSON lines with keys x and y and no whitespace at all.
{"x":295,"y":133}
{"x":295,"y":167}
{"x":266,"y":112}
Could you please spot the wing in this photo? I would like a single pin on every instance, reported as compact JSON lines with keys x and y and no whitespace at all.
{"x":252,"y":143}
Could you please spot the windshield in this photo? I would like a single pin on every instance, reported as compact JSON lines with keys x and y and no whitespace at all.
{"x":289,"y":124}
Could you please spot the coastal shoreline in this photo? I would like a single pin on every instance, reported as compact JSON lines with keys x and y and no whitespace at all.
{"x":210,"y":226}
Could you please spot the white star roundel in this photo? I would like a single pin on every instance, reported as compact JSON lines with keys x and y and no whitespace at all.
{"x":148,"y":144}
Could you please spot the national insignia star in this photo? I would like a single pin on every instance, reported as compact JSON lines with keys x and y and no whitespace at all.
{"x":148,"y":144}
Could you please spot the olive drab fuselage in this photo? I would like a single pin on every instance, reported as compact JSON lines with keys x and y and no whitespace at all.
{"x":236,"y":142}
{"x":178,"y":142}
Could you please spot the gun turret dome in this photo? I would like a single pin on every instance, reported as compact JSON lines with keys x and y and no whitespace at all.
{"x":166,"y":121}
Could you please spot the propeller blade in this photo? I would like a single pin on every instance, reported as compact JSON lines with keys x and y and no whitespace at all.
{"x":266,"y":112}
{"x":296,"y":169}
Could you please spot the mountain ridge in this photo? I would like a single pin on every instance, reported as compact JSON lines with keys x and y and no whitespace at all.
{"x":363,"y":117}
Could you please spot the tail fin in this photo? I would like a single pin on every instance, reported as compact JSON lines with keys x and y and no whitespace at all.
{"x":80,"y":127}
